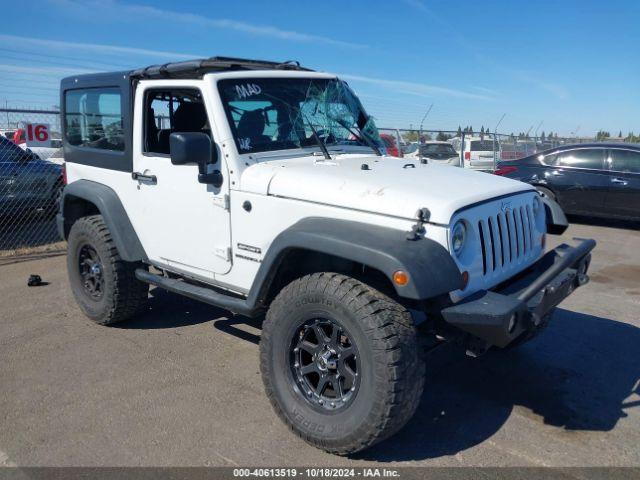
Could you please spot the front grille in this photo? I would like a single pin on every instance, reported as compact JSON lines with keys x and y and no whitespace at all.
{"x":506,"y":239}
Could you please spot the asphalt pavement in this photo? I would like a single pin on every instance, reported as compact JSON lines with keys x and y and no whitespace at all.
{"x":180,"y":385}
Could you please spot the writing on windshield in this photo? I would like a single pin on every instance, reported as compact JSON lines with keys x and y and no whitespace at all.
{"x":268,"y":114}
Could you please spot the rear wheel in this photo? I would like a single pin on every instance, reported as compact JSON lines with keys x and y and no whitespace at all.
{"x":340,"y":362}
{"x":102,"y":283}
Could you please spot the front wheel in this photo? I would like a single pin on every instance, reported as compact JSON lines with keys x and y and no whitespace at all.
{"x":340,"y":362}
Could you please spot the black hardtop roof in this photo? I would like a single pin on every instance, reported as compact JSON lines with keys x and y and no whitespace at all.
{"x":187,"y":69}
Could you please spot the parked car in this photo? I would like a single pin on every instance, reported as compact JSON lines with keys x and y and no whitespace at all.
{"x":409,"y":148}
{"x":437,"y":152}
{"x":391,"y":145}
{"x":478,"y":151}
{"x":27,"y":183}
{"x":596,"y":179}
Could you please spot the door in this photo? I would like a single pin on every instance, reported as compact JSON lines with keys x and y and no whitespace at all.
{"x":579,"y":180}
{"x":183,"y":224}
{"x":623,"y":195}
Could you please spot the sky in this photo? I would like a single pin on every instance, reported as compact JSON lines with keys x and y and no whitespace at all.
{"x":571,"y":66}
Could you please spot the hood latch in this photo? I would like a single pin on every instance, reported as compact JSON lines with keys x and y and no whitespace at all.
{"x":418,"y":229}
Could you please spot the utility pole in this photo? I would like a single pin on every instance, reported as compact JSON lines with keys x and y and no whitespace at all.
{"x":422,"y":122}
{"x":495,"y":136}
{"x":535,"y":132}
{"x":528,"y":132}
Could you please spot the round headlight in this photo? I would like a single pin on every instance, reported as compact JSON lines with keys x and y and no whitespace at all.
{"x":458,"y":237}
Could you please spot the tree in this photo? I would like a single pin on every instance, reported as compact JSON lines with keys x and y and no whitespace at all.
{"x":410,"y":136}
{"x":482,"y":129}
{"x":620,"y":134}
{"x":542,"y":136}
{"x":443,"y":137}
{"x":425,"y":138}
{"x":459,"y":131}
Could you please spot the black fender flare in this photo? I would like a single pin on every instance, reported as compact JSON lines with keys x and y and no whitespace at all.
{"x":557,"y":221}
{"x":108,"y":203}
{"x":431,"y":269}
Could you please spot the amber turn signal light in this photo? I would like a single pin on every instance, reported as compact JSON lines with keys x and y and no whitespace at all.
{"x":400,"y":278}
{"x":465,"y":279}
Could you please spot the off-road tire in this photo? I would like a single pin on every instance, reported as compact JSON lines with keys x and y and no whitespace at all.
{"x":392,"y":376}
{"x":123,"y":295}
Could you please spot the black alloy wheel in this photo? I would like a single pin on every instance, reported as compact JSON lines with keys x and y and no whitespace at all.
{"x":325,"y":364}
{"x":91,"y":272}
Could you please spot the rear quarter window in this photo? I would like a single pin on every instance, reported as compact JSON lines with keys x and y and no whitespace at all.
{"x":480,"y":145}
{"x":93,"y":118}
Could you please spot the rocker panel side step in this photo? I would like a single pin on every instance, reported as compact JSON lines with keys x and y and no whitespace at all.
{"x":203,"y":294}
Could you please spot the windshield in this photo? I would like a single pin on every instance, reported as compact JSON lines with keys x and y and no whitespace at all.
{"x":269,"y":114}
{"x":437,"y":148}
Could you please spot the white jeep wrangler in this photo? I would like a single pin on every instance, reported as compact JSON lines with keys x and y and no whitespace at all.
{"x":263,"y":187}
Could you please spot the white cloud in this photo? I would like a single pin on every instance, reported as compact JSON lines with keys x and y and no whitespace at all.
{"x":42,"y":70}
{"x":92,"y":47}
{"x":418,"y":89}
{"x":132,"y":10}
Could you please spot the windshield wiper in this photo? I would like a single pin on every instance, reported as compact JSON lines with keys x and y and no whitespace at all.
{"x":318,"y":140}
{"x":362,"y":136}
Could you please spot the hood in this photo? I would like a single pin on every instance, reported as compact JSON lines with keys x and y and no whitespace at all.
{"x":390,"y":186}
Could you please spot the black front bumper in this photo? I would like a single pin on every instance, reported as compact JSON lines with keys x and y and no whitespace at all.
{"x":517,"y":307}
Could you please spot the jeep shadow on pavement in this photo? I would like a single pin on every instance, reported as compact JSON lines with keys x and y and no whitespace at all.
{"x":264,"y":189}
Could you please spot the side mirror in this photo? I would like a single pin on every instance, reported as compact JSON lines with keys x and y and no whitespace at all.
{"x":195,"y":147}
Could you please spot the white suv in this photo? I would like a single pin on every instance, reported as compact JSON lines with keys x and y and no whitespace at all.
{"x":478,"y":152}
{"x":261,"y":188}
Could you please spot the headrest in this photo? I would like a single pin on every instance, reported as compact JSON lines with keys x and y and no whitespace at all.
{"x":189,"y":117}
{"x":251,"y":124}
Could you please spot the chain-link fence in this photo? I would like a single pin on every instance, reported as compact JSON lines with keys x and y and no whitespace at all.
{"x":31,"y":180}
{"x":31,"y":167}
{"x":468,"y":149}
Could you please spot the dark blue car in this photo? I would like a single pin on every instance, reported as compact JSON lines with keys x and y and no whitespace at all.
{"x":27,"y":183}
{"x":595,"y":179}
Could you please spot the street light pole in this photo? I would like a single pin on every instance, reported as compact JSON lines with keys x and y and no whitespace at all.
{"x":495,"y":135}
{"x":422,"y":122}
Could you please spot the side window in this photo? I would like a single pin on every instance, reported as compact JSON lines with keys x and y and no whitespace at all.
{"x":625,"y":161}
{"x":169,"y":111}
{"x":93,"y":118}
{"x":581,"y":158}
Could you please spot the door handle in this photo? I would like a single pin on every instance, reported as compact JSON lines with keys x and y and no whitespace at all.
{"x":619,"y":181}
{"x":140,"y":177}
